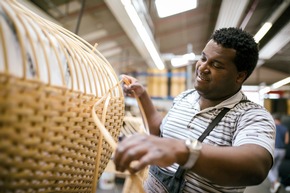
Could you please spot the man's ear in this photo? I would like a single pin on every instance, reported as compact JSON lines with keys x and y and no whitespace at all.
{"x":241,"y":76}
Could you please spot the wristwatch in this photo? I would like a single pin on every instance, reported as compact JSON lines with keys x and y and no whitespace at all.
{"x":194,"y":146}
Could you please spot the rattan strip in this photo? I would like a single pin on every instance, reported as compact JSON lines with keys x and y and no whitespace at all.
{"x":143,"y":115}
{"x":134,"y":179}
{"x":87,"y":55}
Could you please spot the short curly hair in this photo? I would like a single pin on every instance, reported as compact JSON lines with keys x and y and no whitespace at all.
{"x":247,"y":50}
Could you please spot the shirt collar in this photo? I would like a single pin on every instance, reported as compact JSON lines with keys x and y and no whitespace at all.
{"x":228,"y":103}
{"x":232,"y":101}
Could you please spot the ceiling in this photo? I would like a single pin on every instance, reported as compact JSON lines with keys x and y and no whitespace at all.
{"x":105,"y":23}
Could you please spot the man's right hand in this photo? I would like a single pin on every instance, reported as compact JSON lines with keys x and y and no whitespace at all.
{"x":132,"y":85}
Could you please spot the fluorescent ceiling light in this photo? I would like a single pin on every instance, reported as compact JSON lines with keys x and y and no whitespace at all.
{"x":231,"y":13}
{"x":264,"y":90}
{"x":275,"y":85}
{"x":281,"y":83}
{"x":111,"y":52}
{"x":183,"y":60}
{"x":167,"y":8}
{"x":263,"y":30}
{"x":109,"y":48}
{"x":276,"y":43}
{"x":137,"y":31}
{"x":143,"y":34}
{"x":178,"y":62}
{"x":98,"y":34}
{"x":189,"y":56}
{"x":107,"y":45}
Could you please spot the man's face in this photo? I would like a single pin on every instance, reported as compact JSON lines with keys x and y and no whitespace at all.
{"x":216,"y":76}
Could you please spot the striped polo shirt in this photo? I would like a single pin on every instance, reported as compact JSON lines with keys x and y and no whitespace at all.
{"x":245,"y":123}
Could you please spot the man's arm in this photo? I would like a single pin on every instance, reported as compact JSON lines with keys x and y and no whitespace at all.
{"x":230,"y":166}
{"x":153,"y":117}
{"x":234,"y":166}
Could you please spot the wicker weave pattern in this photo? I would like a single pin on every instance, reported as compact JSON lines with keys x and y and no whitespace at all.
{"x":49,"y":147}
{"x":48,"y":139}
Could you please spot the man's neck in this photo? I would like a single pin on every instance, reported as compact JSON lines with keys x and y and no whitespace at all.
{"x":205,"y":103}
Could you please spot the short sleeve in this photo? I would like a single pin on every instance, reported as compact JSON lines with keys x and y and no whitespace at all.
{"x":182,"y":95}
{"x":256,"y":126}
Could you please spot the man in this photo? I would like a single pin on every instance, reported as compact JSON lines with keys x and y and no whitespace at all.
{"x":238,"y":152}
{"x":281,"y":140}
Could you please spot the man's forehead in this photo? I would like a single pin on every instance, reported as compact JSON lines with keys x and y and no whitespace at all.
{"x":214,"y":47}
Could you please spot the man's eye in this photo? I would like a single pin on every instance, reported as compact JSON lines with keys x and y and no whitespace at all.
{"x":216,"y":65}
{"x":203,"y":59}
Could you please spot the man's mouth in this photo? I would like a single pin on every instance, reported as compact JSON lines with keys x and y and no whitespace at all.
{"x":202,"y":77}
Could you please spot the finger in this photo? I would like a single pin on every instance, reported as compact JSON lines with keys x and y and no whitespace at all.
{"x":131,"y":148}
{"x":122,"y":148}
{"x":120,"y":151}
{"x":131,"y":157}
{"x":148,"y":159}
{"x":126,"y":80}
{"x":137,"y":166}
{"x":117,"y":157}
{"x":122,"y":76}
{"x":127,"y":91}
{"x":156,"y":155}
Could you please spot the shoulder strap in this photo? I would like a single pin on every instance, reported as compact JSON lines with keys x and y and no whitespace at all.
{"x":216,"y":121}
{"x":180,"y":171}
{"x":213,"y":124}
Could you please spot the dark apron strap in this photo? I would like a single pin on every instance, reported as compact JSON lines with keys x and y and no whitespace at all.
{"x":213,"y":124}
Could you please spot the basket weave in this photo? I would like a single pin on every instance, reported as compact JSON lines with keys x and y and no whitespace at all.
{"x":50,"y":79}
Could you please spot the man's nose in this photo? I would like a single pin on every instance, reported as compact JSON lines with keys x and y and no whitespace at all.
{"x":203,"y":66}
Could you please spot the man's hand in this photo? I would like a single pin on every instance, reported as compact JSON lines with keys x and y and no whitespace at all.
{"x":132,"y":86}
{"x":137,"y":151}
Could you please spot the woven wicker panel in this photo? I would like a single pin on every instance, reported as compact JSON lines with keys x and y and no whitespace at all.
{"x":48,"y":139}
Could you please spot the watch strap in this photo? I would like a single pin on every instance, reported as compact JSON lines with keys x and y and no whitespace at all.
{"x":194,"y":151}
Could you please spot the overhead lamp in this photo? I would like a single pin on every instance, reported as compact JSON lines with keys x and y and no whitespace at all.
{"x":111,"y":52}
{"x":95,"y":35}
{"x":143,"y":34}
{"x":137,"y":31}
{"x":172,"y":7}
{"x":231,"y":12}
{"x":267,"y":25}
{"x":179,"y":61}
{"x":262,"y":31}
{"x":264,"y":90}
{"x":275,"y":85}
{"x":276,"y":43}
{"x":281,"y":83}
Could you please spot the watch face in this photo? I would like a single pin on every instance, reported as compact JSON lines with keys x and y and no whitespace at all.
{"x":193,"y":144}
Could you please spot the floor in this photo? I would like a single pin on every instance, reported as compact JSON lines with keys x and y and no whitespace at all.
{"x":116,"y":189}
{"x":262,"y":188}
